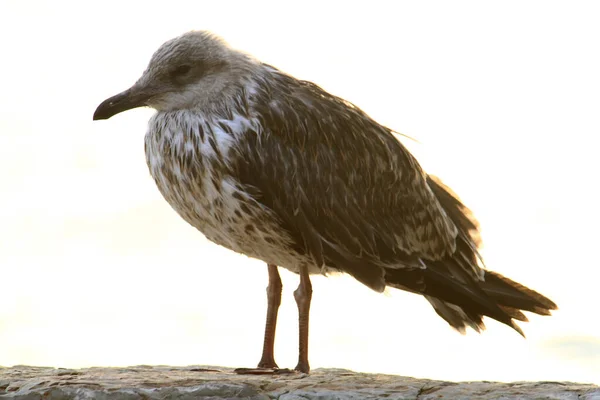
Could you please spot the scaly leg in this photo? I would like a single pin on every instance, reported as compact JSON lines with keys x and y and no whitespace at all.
{"x":273,"y":301}
{"x":303,"y":296}
{"x":267,"y":364}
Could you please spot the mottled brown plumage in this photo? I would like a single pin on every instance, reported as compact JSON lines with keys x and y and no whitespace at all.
{"x":280,"y":170}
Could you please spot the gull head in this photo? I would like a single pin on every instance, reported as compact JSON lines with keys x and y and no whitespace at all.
{"x":191,"y":71}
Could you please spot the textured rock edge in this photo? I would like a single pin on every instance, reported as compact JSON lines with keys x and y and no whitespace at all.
{"x":205,"y":382}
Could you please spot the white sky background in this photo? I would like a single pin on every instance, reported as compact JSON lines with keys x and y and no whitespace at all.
{"x":96,"y":269}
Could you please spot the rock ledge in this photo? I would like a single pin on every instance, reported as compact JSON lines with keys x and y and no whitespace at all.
{"x":203,"y":382}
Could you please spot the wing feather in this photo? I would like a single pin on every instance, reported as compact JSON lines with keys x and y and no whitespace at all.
{"x":342,"y":185}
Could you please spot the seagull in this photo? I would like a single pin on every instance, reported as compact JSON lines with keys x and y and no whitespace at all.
{"x":280,"y":170}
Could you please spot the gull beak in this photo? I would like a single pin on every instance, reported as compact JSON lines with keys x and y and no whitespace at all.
{"x":131,"y":98}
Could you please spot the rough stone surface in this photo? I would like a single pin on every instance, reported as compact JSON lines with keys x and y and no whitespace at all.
{"x":202,"y":382}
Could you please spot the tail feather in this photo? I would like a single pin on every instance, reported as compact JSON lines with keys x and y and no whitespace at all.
{"x":512,"y":294}
{"x":461,"y":304}
{"x":515,"y":313}
{"x":456,"y":316}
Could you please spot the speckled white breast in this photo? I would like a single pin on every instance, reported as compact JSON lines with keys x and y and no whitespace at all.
{"x":188,"y":156}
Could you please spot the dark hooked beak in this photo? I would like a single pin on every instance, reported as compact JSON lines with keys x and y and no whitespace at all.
{"x":131,"y":98}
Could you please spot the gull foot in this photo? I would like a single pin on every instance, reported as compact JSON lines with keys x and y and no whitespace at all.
{"x":263,"y":371}
{"x":302,"y":367}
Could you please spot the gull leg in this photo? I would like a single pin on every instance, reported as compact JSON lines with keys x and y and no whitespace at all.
{"x":273,"y":301}
{"x":267,"y":364}
{"x":303,"y":296}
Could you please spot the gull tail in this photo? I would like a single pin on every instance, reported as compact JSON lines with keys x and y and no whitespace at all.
{"x":512,"y":296}
{"x":508,"y":297}
{"x":460,"y":299}
{"x":458,"y":294}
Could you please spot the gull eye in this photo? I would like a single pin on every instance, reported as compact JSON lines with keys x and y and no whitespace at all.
{"x":181,"y":70}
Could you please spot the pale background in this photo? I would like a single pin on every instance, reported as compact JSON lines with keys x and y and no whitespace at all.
{"x":96,"y":269}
